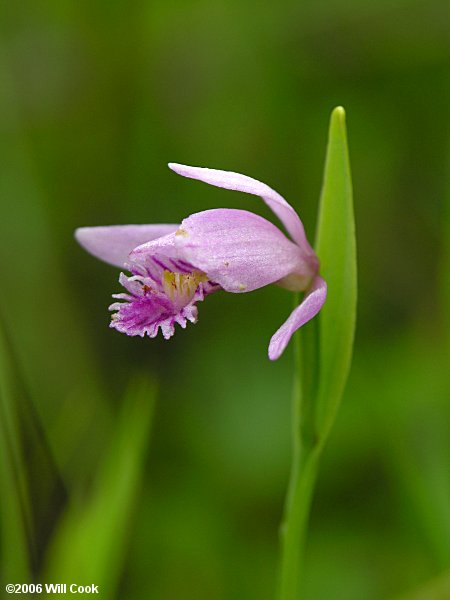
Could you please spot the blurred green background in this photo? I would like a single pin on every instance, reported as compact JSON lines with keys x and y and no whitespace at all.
{"x":182,"y":498}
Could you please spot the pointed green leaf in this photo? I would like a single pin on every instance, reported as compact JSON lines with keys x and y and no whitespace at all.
{"x":336,"y":248}
{"x":323,"y":353}
{"x":34,"y":492}
{"x":14,"y":502}
{"x":90,"y":545}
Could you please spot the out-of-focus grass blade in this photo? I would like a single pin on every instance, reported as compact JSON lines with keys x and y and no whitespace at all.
{"x":32,"y":490}
{"x":91,"y":542}
{"x":336,"y":248}
{"x":436,"y":589}
{"x":445,"y":262}
{"x":15,"y":507}
{"x":56,"y":379}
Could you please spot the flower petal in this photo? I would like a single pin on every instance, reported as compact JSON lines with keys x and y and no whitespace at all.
{"x":113,"y":243}
{"x":243,"y":183}
{"x":236,"y":249}
{"x":312,"y":303}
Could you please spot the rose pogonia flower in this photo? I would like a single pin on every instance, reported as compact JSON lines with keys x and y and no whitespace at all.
{"x":175,"y":266}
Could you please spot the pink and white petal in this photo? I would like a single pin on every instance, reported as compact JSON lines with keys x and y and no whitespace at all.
{"x":242,"y":183}
{"x":156,"y":256}
{"x":113,"y":243}
{"x":238,"y":250}
{"x":163,"y":246}
{"x":133,"y":285}
{"x":311,"y":305}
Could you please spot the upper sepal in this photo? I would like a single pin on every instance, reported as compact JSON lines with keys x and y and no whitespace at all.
{"x":242,"y":183}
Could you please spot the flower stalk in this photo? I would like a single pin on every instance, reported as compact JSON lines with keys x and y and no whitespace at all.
{"x":303,"y":477}
{"x":306,"y":451}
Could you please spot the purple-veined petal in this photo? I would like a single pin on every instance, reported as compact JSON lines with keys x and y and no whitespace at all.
{"x":152,"y":258}
{"x":112,"y":244}
{"x":237,"y":249}
{"x":242,"y":183}
{"x":146,"y":309}
{"x":312,"y":303}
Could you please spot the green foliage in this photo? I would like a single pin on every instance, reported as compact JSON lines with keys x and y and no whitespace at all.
{"x":35,"y":491}
{"x":323,"y":354}
{"x":15,"y":506}
{"x":91,"y":541}
{"x":436,"y":589}
{"x":336,"y":248}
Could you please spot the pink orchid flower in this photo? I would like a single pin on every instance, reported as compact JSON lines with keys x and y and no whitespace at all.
{"x":175,"y":266}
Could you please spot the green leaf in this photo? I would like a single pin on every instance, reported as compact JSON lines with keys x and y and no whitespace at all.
{"x":90,"y":545}
{"x":34,"y":492}
{"x":336,"y":248}
{"x":323,"y":353}
{"x":15,"y":506}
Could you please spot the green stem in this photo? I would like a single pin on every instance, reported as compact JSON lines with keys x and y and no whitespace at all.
{"x":305,"y":463}
{"x":295,"y":523}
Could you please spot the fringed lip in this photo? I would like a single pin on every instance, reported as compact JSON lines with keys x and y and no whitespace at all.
{"x":157,"y":298}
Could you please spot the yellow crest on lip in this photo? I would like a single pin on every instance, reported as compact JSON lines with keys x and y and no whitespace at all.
{"x":181,"y":287}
